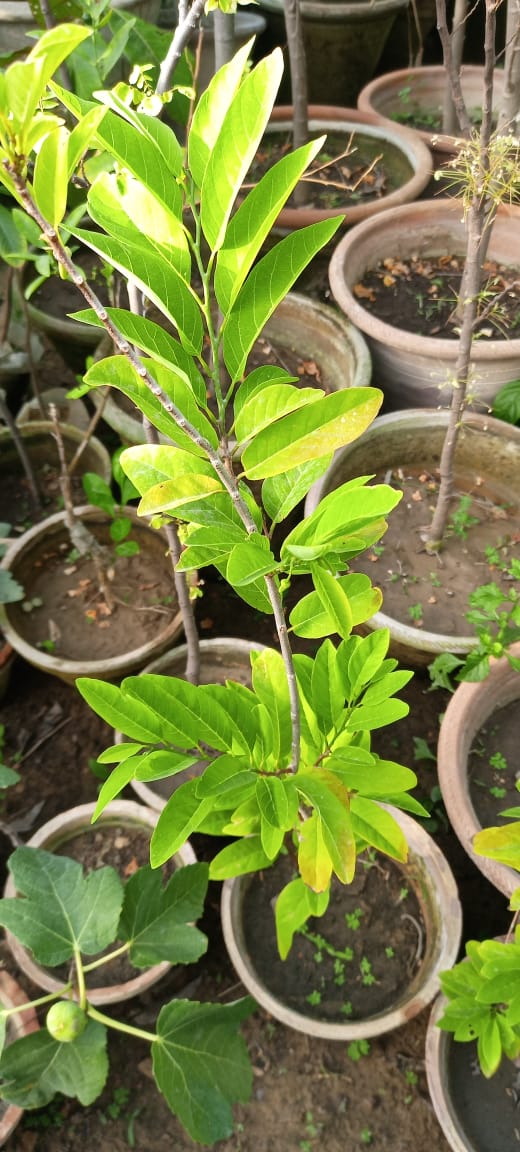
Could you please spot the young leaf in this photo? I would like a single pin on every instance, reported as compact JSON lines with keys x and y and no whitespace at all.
{"x":293,"y":907}
{"x":309,"y":618}
{"x":135,"y":719}
{"x":263,"y":290}
{"x":309,"y":433}
{"x":334,"y":600}
{"x":50,"y":182}
{"x":181,"y":816}
{"x":159,"y":921}
{"x":211,"y":110}
{"x":236,"y":859}
{"x":330,"y":801}
{"x":376,"y":826}
{"x":314,"y":860}
{"x":201,"y":1066}
{"x":58,"y":908}
{"x":270,"y":686}
{"x":280,"y":494}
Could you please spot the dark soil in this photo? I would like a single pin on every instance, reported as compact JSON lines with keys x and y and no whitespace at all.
{"x":71,"y":617}
{"x":493,"y":766}
{"x":419,"y":295}
{"x":58,"y":297}
{"x":356,"y":960}
{"x":428,"y":591}
{"x":491,"y":1117}
{"x":349,"y":170}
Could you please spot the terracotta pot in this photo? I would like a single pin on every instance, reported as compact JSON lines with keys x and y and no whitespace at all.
{"x":468,"y":710}
{"x":428,"y":872}
{"x":40,"y":444}
{"x":343,"y":42}
{"x":413,"y":439}
{"x":408,"y":159}
{"x":20,"y":1024}
{"x":20,"y":560}
{"x":221,"y":660}
{"x":58,"y":832}
{"x":313,"y":330}
{"x":468,"y":1107}
{"x":425,"y":89}
{"x":414,"y":370}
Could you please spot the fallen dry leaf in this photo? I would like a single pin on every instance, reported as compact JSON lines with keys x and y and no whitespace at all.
{"x":364,"y":293}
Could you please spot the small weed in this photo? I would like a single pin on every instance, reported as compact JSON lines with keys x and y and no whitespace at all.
{"x":498,"y":793}
{"x":310,"y":1127}
{"x":416,"y":613}
{"x":435,"y":581}
{"x":367,"y":976}
{"x":116,"y":1106}
{"x":403,"y":893}
{"x":47,"y":645}
{"x":339,"y":973}
{"x":346,"y":1008}
{"x":422,"y":750}
{"x":314,"y":998}
{"x":366,"y":1136}
{"x":498,"y":761}
{"x":412,"y":1080}
{"x":354,"y":919}
{"x":357,"y":1049}
{"x":389,"y":953}
{"x":461,"y":520}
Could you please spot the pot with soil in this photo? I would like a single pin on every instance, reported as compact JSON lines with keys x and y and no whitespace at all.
{"x":69,"y":629}
{"x":476,"y":760}
{"x":221,"y":659}
{"x":343,"y":42}
{"x":376,"y":167}
{"x":475,"y":1113}
{"x":119,"y":838}
{"x":401,"y":272}
{"x":19,"y":1024}
{"x":370,"y":963}
{"x":425,"y":597}
{"x":415,"y":97}
{"x":37,"y":437}
{"x":316,"y":340}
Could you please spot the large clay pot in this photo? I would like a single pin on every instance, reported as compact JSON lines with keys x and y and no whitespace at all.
{"x":406,"y":158}
{"x":343,"y":42}
{"x":55,"y":834}
{"x":428,"y":872}
{"x":411,"y":90}
{"x":413,"y":440}
{"x":51,"y":535}
{"x":414,"y":370}
{"x":470,"y":707}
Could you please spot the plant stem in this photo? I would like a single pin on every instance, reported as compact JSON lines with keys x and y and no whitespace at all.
{"x":450,"y":110}
{"x":453,"y":74}
{"x":180,"y":39}
{"x":298,"y":67}
{"x":118,"y":1025}
{"x":107,"y":958}
{"x":80,"y":979}
{"x":511,"y":97}
{"x":50,"y":998}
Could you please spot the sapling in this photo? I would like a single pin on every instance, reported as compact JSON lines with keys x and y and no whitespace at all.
{"x":289,"y":767}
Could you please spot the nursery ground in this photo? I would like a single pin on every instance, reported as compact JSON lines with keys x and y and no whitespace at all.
{"x":307,"y":1094}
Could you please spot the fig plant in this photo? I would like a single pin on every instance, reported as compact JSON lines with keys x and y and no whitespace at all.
{"x":87,"y":922}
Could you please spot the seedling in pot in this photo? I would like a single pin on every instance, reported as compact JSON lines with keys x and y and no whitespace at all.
{"x":495,"y":617}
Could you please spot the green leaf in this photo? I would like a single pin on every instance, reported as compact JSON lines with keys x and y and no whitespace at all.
{"x":148,"y":465}
{"x":128,"y":210}
{"x":181,"y":816}
{"x":253,"y":220}
{"x":366,"y":719}
{"x":377,"y":827}
{"x":250,"y":560}
{"x":366,"y":660}
{"x":34,"y":1068}
{"x":124,"y":713}
{"x":58,"y":909}
{"x":265,"y":287}
{"x":326,"y":687}
{"x":210,"y":113}
{"x":237,"y":859}
{"x":334,"y":600}
{"x":51,"y":174}
{"x":378,"y":779}
{"x":489,"y":1047}
{"x":177,"y":496}
{"x":223,"y":775}
{"x":271,"y":688}
{"x":269,"y":405}
{"x":308,"y":434}
{"x":502,"y":843}
{"x":81,"y":136}
{"x":273,"y":802}
{"x":160,"y":345}
{"x":26,"y":80}
{"x":98,"y":492}
{"x":196,"y":717}
{"x":201,"y":1065}
{"x":294,"y":905}
{"x":117,"y":372}
{"x":159,"y":921}
{"x":157,"y":278}
{"x":280,"y":494}
{"x":331,"y":802}
{"x":235,"y":146}
{"x":314,"y":860}
{"x":309,"y":619}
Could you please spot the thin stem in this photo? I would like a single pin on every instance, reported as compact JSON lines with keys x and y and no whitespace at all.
{"x":80,"y":980}
{"x":107,"y":958}
{"x":50,"y":998}
{"x":453,"y":75}
{"x":180,"y":40}
{"x":118,"y":1025}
